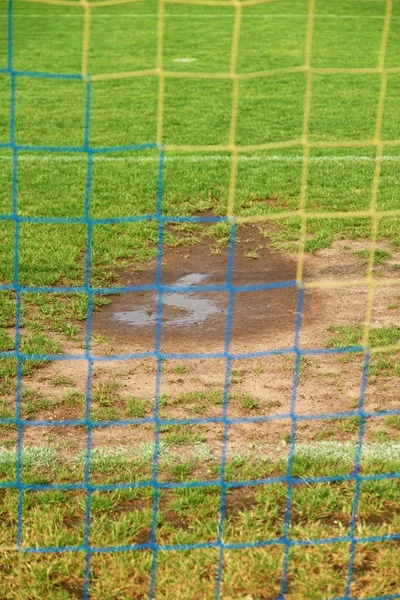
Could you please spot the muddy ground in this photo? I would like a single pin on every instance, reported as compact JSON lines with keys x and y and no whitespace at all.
{"x":261,"y":320}
{"x":267,"y":315}
{"x":195,"y":322}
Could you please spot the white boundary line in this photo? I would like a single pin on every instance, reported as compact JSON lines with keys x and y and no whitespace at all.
{"x":193,"y":158}
{"x":192,"y":15}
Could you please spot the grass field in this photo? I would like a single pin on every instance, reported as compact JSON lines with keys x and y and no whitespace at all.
{"x":285,"y":498}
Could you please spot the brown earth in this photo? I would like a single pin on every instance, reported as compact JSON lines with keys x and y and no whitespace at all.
{"x":268,"y":314}
{"x":262,"y":320}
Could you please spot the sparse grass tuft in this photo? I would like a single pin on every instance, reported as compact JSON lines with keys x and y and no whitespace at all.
{"x":380,"y":256}
{"x":62,"y":381}
{"x":136,"y":408}
{"x":180,"y":369}
{"x":249,"y":403}
{"x":351,"y":335}
{"x":252,"y":254}
{"x":178,"y":435}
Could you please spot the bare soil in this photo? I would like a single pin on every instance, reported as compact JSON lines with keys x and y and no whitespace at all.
{"x":261,"y":320}
{"x":267,"y":314}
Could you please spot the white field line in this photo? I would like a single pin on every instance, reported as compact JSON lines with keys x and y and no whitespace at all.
{"x":196,"y":15}
{"x":194,"y":158}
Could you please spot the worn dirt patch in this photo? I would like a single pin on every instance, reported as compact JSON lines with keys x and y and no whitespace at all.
{"x":191,"y":389}
{"x":261,"y":319}
{"x":194,"y":322}
{"x":242,"y":500}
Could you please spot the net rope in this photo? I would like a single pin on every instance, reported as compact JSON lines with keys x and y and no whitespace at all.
{"x":373,"y":213}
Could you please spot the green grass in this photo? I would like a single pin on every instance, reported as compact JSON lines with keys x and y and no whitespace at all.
{"x":351,"y":335}
{"x":380,"y":256}
{"x":197,"y":402}
{"x":211,"y":24}
{"x":354,"y":43}
{"x":344,"y":107}
{"x":109,"y":403}
{"x":136,"y":408}
{"x":181,"y":370}
{"x":180,"y":435}
{"x":325,"y":193}
{"x":191,"y":515}
{"x":249,"y":403}
{"x":119,"y":50}
{"x":270,"y":109}
{"x":273,"y":125}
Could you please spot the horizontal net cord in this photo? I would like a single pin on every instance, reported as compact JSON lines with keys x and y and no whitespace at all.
{"x":199,"y":421}
{"x":279,"y":541}
{"x":180,"y":74}
{"x":358,"y":349}
{"x":273,"y":216}
{"x":195,"y":15}
{"x":174,"y":148}
{"x":217,"y":148}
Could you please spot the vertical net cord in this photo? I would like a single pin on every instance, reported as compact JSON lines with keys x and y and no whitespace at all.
{"x":16,"y":288}
{"x":159,"y":296}
{"x":305,"y":143}
{"x":89,"y":296}
{"x":300,"y":297}
{"x":230,"y":290}
{"x":292,"y":446}
{"x":159,"y":359}
{"x":225,"y":421}
{"x":86,"y":39}
{"x":88,"y":339}
{"x":371,"y":292}
{"x":15,"y":284}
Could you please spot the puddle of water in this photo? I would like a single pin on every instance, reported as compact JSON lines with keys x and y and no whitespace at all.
{"x":192,"y":309}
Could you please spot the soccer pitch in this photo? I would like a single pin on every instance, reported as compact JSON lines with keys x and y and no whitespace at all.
{"x":199,"y":299}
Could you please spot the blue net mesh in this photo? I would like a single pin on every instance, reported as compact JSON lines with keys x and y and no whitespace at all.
{"x":284,"y":541}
